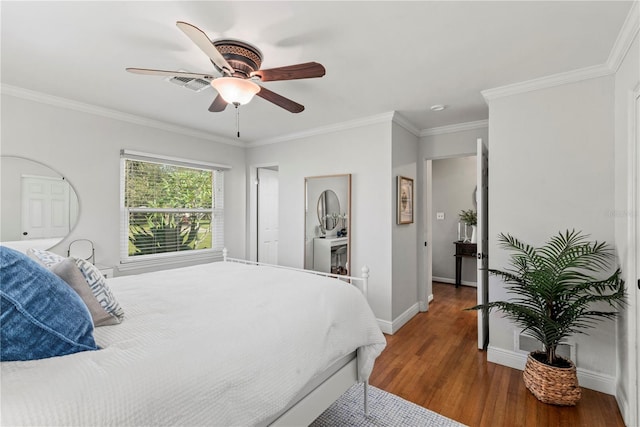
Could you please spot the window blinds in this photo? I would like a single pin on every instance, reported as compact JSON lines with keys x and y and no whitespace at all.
{"x":170,"y":207}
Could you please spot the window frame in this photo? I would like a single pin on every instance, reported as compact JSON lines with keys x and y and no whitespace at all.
{"x":217,"y":212}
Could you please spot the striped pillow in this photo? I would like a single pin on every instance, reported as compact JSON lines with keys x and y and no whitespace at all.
{"x":100,"y":290}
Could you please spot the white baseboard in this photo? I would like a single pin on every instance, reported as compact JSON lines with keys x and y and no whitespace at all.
{"x":453,"y":281}
{"x":391,"y":328}
{"x":623,"y":406}
{"x":587,"y":379}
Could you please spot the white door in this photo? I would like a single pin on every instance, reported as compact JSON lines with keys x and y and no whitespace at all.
{"x":483,"y":241}
{"x":45,"y":207}
{"x":268,"y":216}
{"x":634,"y":358}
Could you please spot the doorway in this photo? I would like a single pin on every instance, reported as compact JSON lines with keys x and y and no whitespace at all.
{"x":267,"y":214}
{"x":453,"y":190}
{"x":467,"y":173}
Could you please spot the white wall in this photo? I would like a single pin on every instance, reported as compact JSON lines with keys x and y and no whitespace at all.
{"x":627,"y":85}
{"x":85,"y":148}
{"x":364,"y":152}
{"x":404,"y":236}
{"x":551,"y":168}
{"x":454,"y":181}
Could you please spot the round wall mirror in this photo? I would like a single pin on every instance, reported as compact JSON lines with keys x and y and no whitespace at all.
{"x":328,"y":210}
{"x":39,"y":206}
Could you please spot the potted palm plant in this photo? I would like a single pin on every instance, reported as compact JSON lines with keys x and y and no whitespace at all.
{"x":554,"y":290}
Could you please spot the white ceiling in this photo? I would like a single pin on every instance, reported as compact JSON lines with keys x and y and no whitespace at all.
{"x":380,"y":56}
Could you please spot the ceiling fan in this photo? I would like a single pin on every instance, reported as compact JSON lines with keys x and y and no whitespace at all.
{"x":239,"y":64}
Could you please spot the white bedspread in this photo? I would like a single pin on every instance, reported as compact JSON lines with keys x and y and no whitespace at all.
{"x":217,"y":344}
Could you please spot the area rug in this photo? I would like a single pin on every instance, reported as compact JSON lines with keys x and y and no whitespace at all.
{"x":385,"y":410}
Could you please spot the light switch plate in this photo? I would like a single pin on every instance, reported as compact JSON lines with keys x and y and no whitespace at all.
{"x":439,"y":215}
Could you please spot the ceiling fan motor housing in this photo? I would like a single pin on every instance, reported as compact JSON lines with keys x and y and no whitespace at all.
{"x":243,"y":57}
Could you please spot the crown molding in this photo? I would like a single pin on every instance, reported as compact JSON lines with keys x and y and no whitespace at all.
{"x":547,"y":82}
{"x":69,"y":104}
{"x":401,"y":121}
{"x":337,"y":127}
{"x":626,"y":36}
{"x":479,"y":124}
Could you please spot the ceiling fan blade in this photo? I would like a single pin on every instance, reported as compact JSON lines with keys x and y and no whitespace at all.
{"x":150,"y":72}
{"x":280,"y":100}
{"x":202,"y":41}
{"x":218,"y":105}
{"x":291,"y":72}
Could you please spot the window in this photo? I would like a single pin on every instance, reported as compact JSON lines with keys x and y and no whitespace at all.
{"x":170,"y":207}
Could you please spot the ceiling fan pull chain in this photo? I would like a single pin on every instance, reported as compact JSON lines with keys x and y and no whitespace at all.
{"x":237,"y":119}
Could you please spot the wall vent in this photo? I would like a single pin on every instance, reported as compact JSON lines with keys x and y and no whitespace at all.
{"x":526,"y":344}
{"x":195,"y":85}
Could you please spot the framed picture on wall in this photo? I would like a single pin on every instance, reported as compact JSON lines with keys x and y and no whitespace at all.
{"x":405,"y":200}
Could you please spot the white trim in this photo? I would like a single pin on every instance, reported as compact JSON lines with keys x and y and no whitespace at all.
{"x":401,"y":121}
{"x":479,"y":124}
{"x":365,"y":121}
{"x":623,"y":406}
{"x":391,"y":328}
{"x":69,"y":104}
{"x":453,"y":281}
{"x":424,"y":306}
{"x":627,"y":398}
{"x":625,"y":38}
{"x":547,"y":82}
{"x":587,"y":379}
{"x":154,"y":158}
{"x":618,"y":52}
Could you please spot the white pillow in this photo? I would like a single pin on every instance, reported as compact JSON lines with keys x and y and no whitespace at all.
{"x":46,"y":258}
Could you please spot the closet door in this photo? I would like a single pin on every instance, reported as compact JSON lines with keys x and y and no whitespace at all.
{"x":267,"y":216}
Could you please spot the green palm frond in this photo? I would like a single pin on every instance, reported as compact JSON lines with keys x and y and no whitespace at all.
{"x":555,"y":286}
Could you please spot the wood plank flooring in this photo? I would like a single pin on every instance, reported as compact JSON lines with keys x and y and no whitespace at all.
{"x":433,"y":361}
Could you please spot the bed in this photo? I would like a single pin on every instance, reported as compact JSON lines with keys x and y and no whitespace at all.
{"x":224,"y":343}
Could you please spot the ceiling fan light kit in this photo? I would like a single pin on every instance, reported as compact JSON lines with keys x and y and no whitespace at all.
{"x":239,"y":64}
{"x":234,"y":90}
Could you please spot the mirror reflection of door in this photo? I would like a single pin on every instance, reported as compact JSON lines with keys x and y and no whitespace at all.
{"x":328,"y":223}
{"x":268,"y":215}
{"x":45,"y":207}
{"x":35,"y":200}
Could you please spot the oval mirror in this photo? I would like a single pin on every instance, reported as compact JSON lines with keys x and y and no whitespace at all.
{"x":327,"y":223}
{"x":328,"y":210}
{"x":39,"y":206}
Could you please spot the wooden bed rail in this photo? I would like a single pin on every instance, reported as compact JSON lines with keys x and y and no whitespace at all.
{"x":363,"y":280}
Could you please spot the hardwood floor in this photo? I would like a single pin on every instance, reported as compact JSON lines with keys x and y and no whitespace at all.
{"x":433,"y":361}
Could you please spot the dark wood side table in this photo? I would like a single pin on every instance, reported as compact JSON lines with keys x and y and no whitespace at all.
{"x":468,"y":250}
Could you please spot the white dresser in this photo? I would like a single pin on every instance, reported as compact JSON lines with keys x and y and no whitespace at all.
{"x":324,"y":253}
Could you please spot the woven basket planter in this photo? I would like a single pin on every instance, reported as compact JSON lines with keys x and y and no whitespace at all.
{"x":557,"y":386}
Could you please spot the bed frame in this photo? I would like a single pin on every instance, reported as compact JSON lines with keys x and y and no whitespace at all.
{"x":321,"y":393}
